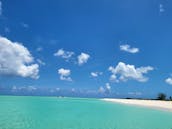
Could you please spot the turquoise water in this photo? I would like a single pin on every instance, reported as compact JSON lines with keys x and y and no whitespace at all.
{"x":73,"y":113}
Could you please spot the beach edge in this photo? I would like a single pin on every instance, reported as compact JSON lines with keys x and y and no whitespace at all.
{"x":154,"y":104}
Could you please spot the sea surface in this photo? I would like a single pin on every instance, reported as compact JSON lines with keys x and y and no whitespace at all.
{"x":21,"y":112}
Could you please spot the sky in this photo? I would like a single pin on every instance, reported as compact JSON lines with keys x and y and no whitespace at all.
{"x":93,"y":48}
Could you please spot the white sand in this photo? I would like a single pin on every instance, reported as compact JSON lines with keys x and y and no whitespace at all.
{"x":157,"y":104}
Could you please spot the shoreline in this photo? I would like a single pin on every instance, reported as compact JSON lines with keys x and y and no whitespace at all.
{"x":154,"y":104}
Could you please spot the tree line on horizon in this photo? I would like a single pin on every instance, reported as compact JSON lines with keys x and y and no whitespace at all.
{"x":162,"y":96}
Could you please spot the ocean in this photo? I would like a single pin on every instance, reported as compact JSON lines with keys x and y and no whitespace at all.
{"x":26,"y":112}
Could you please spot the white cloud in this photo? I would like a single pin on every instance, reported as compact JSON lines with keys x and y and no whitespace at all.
{"x":101,"y":89}
{"x":14,"y":88}
{"x":24,"y":25}
{"x":73,"y":90}
{"x":161,"y":8}
{"x":135,"y":93}
{"x":169,"y":81}
{"x":15,"y":59}
{"x":40,"y":62}
{"x":124,"y":72}
{"x":64,"y":54}
{"x":96,"y":74}
{"x":83,"y":58}
{"x":0,"y":8}
{"x":104,"y":89}
{"x":127,"y":48}
{"x":31,"y":88}
{"x":113,"y":78}
{"x":64,"y":74}
{"x":39,"y":49}
{"x":108,"y":87}
{"x":57,"y":89}
{"x":64,"y":78}
{"x":26,"y":88}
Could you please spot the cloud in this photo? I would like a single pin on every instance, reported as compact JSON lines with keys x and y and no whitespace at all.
{"x":135,"y":93}
{"x":101,"y":89}
{"x":0,"y":8}
{"x":24,"y":25}
{"x":40,"y":62}
{"x":14,"y":88}
{"x":73,"y":90}
{"x":57,"y":89}
{"x":108,"y":87}
{"x":31,"y":88}
{"x":127,"y":48}
{"x":124,"y":72}
{"x":39,"y":49}
{"x":83,"y":58}
{"x":169,"y":81}
{"x":64,"y":74}
{"x":25,"y":88}
{"x":161,"y":8}
{"x":64,"y":54}
{"x":113,"y":78}
{"x":96,"y":74}
{"x":15,"y":59}
{"x":104,"y":89}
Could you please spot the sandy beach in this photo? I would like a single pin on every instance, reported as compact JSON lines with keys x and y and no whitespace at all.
{"x":156,"y":104}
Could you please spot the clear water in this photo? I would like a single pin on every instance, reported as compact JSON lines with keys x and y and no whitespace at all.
{"x":73,"y":113}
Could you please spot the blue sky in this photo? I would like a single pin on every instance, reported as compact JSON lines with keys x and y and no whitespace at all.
{"x":114,"y":48}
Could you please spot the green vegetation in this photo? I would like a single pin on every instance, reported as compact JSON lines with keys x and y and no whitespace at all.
{"x":170,"y":98}
{"x":161,"y":96}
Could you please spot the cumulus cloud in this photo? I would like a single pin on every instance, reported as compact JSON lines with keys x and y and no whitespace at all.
{"x":0,"y":8}
{"x":161,"y":8}
{"x":104,"y":89}
{"x":24,"y":88}
{"x":128,"y":48}
{"x":124,"y":72}
{"x":108,"y":87}
{"x":15,"y":59}
{"x":39,"y":49}
{"x":73,"y":90}
{"x":14,"y":88}
{"x":24,"y":25}
{"x":64,"y":54}
{"x":83,"y":58}
{"x":135,"y":93}
{"x":113,"y":77}
{"x":169,"y":80}
{"x":96,"y":74}
{"x":64,"y":74}
{"x":57,"y":89}
{"x":101,"y":89}
{"x":67,"y":55}
{"x":40,"y":62}
{"x":31,"y":88}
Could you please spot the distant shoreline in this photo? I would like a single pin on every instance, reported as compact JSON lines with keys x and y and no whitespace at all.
{"x":155,"y":104}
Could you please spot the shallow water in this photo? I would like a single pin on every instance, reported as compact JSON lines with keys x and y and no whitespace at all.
{"x":19,"y":112}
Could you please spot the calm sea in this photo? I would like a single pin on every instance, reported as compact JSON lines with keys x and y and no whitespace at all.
{"x":75,"y":113}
